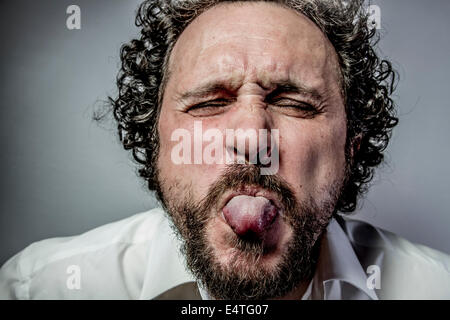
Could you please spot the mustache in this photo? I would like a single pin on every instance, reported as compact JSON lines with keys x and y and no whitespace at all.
{"x":236,"y":176}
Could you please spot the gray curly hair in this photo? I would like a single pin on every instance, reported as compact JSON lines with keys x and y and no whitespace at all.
{"x":367,"y":82}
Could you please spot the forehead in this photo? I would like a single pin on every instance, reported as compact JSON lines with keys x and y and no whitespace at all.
{"x":257,"y":41}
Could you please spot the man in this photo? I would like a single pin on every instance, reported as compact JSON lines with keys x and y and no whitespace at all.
{"x":256,"y":123}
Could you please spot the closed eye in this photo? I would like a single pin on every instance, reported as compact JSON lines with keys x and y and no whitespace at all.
{"x":208,"y":108}
{"x":295,"y":108}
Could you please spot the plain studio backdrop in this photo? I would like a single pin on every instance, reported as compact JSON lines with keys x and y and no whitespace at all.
{"x":62,"y":174}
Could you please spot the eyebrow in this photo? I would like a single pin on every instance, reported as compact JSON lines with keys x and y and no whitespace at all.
{"x":284,"y":86}
{"x":287,"y":86}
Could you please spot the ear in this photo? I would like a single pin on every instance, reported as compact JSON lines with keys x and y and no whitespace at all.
{"x":355,"y":145}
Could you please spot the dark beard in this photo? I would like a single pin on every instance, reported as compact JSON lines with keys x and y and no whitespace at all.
{"x":297,"y":265}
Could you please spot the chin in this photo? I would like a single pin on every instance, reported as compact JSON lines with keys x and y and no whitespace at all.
{"x":223,"y":243}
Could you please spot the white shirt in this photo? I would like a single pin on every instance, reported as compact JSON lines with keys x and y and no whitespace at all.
{"x":139,"y":258}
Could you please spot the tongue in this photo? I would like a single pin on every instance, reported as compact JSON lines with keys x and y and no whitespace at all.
{"x":249,"y":215}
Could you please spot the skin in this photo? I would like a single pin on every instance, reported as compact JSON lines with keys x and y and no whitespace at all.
{"x":248,"y":48}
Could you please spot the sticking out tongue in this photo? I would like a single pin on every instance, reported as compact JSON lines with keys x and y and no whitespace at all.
{"x":250,"y":216}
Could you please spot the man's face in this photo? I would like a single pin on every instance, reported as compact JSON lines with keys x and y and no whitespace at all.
{"x":265,"y":67}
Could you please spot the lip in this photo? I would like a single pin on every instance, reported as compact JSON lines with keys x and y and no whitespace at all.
{"x":253,"y":191}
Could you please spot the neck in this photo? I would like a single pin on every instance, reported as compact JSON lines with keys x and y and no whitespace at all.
{"x":297,"y":293}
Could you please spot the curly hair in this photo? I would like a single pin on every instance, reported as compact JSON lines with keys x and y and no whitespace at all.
{"x":367,"y":82}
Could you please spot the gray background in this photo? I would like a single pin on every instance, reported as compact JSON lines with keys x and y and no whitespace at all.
{"x":62,"y":174}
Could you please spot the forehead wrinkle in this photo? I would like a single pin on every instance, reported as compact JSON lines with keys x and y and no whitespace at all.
{"x":236,"y":39}
{"x":236,"y":69}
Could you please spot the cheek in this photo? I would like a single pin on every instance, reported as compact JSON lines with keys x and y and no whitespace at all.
{"x":165,"y":130}
{"x":332,"y":154}
{"x":171,"y":173}
{"x":195,"y":177}
{"x":313,"y":156}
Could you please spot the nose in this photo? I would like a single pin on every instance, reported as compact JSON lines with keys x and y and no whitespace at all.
{"x":248,"y":139}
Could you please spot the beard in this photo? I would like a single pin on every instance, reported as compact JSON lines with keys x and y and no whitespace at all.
{"x":245,"y":276}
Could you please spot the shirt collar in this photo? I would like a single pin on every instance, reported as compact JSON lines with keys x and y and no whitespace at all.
{"x":338,"y":267}
{"x":165,"y":266}
{"x":339,"y":274}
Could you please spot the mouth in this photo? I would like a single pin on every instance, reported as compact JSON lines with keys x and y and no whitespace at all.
{"x":252,"y":191}
{"x":252,"y":213}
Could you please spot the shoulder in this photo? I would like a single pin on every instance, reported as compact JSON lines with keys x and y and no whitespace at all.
{"x":110,"y":258}
{"x":408,"y":270}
